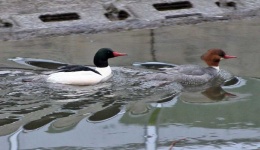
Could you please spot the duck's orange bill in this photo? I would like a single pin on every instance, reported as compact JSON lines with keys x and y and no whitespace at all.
{"x":119,"y":54}
{"x":229,"y":56}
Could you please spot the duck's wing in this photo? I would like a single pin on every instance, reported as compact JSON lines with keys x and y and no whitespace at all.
{"x":194,"y":70}
{"x":73,"y":68}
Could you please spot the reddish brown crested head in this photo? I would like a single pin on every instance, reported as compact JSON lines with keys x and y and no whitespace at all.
{"x":213,"y":56}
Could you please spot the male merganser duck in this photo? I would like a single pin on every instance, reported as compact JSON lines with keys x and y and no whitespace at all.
{"x":197,"y":75}
{"x":82,"y":75}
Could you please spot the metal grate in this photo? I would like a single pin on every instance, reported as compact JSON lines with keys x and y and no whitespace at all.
{"x":59,"y":17}
{"x":172,"y":6}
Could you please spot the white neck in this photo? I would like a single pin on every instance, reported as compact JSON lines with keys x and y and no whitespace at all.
{"x":105,"y":72}
{"x":215,"y":67}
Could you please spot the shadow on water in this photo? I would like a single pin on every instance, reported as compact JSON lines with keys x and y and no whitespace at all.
{"x":139,"y":114}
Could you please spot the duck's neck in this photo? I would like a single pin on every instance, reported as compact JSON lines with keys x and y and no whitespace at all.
{"x":215,"y":67}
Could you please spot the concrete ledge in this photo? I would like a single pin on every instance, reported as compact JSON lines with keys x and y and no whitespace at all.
{"x":40,"y":19}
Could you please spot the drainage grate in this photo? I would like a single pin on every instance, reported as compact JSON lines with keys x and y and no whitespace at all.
{"x":59,"y":17}
{"x":172,"y":6}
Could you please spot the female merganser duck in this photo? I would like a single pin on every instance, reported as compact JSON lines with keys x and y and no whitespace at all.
{"x":197,"y":75}
{"x":82,"y":75}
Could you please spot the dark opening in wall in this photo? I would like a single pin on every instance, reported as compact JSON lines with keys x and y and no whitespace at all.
{"x":5,"y":24}
{"x":226,"y":4}
{"x":172,"y":6}
{"x":59,"y":17}
{"x":120,"y":15}
{"x":114,"y":14}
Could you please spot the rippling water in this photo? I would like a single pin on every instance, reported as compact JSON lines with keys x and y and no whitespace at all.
{"x":126,"y":113}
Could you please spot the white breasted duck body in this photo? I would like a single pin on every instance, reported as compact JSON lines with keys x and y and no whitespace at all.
{"x":83,"y":75}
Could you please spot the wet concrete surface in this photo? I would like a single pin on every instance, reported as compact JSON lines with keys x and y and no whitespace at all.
{"x":36,"y":18}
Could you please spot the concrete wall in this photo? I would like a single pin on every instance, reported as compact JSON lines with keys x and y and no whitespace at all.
{"x":36,"y":18}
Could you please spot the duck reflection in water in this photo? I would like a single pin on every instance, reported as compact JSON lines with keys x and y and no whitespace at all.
{"x":217,"y":93}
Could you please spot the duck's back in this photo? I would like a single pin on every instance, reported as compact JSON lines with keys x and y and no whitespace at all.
{"x":195,"y":70}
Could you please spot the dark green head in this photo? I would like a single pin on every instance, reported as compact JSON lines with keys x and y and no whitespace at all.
{"x":102,"y":56}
